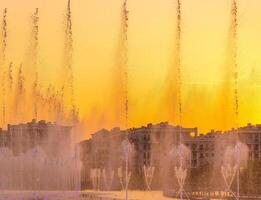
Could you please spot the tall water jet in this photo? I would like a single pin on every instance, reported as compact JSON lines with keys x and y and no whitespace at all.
{"x":10,"y":77}
{"x":126,"y":144}
{"x":9,"y":86}
{"x":119,"y":94}
{"x":59,"y":105}
{"x":125,"y":22}
{"x":236,"y":103}
{"x":50,"y":102}
{"x":20,"y":93}
{"x":2,"y":63}
{"x":30,"y":74}
{"x":178,"y":60}
{"x":4,"y":37}
{"x":182,"y":153}
{"x":235,"y":65}
{"x":32,"y":98}
{"x":4,"y":97}
{"x":68,"y":81}
{"x":227,"y":167}
{"x":35,"y":44}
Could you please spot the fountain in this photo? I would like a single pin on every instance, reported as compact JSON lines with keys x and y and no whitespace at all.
{"x":36,"y":171}
{"x":181,"y":153}
{"x":125,"y":176}
{"x":126,"y":146}
{"x":34,"y":52}
{"x":148,"y":175}
{"x":23,"y":95}
{"x":96,"y":178}
{"x":108,"y":176}
{"x":67,"y":70}
{"x":2,"y":63}
{"x":125,"y":20}
{"x":4,"y":36}
{"x":234,"y":158}
{"x":181,"y":156}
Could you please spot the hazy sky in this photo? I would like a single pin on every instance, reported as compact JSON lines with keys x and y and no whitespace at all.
{"x":151,"y":45}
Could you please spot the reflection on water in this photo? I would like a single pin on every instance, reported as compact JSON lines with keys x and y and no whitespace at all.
{"x":135,"y":195}
{"x":81,"y":195}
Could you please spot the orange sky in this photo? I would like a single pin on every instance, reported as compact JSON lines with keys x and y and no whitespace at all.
{"x":96,"y":27}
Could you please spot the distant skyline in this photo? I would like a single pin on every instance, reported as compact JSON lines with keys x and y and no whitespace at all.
{"x":207,"y":101}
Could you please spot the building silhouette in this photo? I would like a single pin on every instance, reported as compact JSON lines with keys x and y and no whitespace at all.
{"x":51,"y":137}
{"x":152,"y":145}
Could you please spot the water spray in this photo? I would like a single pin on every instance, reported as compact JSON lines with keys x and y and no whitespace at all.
{"x":4,"y":97}
{"x":236,"y":102}
{"x":126,"y":144}
{"x":178,"y":50}
{"x":10,"y":77}
{"x":148,"y":174}
{"x":35,"y":44}
{"x":182,"y":154}
{"x":4,"y":35}
{"x":20,"y":88}
{"x":234,"y":12}
{"x":68,"y":46}
{"x":59,"y":106}
{"x":107,"y":178}
{"x":227,"y":168}
{"x":95,"y":175}
{"x":24,"y":87}
{"x":3,"y":52}
{"x":20,"y":81}
{"x":125,"y":23}
{"x":36,"y":95}
{"x":9,"y":86}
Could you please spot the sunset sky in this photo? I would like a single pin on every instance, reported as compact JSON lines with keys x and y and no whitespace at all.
{"x":151,"y":46}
